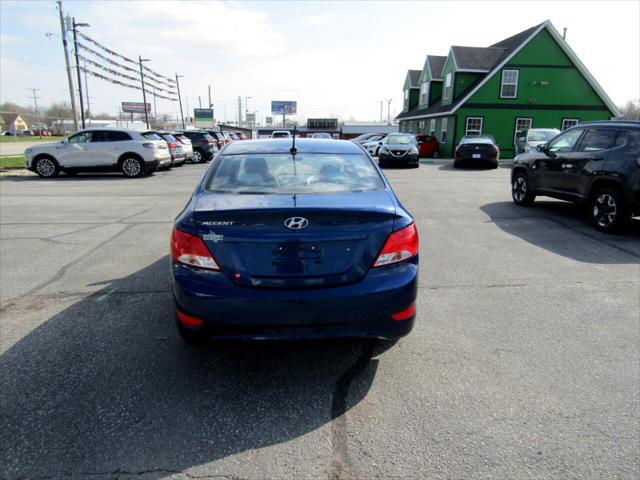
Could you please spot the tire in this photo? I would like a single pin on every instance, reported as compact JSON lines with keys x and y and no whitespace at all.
{"x":377,"y":152}
{"x":47,"y":167}
{"x":414,"y":165}
{"x":456,"y":165}
{"x":520,"y":190}
{"x":132,"y":167}
{"x":198,"y":156}
{"x":607,"y":210}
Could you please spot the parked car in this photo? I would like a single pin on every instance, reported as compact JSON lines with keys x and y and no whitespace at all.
{"x":203,"y":144}
{"x":186,"y":145}
{"x":373,"y":144}
{"x":250,"y":260}
{"x":178,"y":156}
{"x":476,"y":150}
{"x":281,"y":134}
{"x":232,"y":135}
{"x":219,"y":138}
{"x":528,"y":141}
{"x":596,"y":164}
{"x":8,"y":134}
{"x":241,"y":136}
{"x":399,"y":149}
{"x":227,"y":136}
{"x":365,"y":137}
{"x":132,"y":152}
{"x":428,"y":146}
{"x":321,"y":135}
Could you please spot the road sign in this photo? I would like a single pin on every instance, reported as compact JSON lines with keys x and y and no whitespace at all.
{"x":135,"y":107}
{"x":284,"y":107}
{"x":251,"y":117}
{"x":203,"y":117}
{"x":268,"y":120}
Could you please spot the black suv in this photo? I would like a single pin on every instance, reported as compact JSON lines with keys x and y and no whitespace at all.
{"x":596,"y":164}
{"x":204,"y":146}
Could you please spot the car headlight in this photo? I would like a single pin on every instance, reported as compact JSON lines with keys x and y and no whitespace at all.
{"x":413,"y":151}
{"x":28,"y":150}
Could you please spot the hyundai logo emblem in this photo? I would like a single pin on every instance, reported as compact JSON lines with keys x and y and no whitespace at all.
{"x":296,"y":223}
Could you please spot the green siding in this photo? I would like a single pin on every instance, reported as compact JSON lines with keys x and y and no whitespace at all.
{"x":541,"y":50}
{"x":414,"y":96}
{"x":435,"y":91}
{"x":501,"y":123}
{"x":462,"y":81}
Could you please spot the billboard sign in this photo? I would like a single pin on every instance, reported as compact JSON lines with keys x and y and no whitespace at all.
{"x":203,"y":117}
{"x":135,"y":107}
{"x":281,"y":107}
{"x":251,"y":117}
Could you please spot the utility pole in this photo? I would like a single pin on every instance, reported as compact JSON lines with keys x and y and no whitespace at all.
{"x":564,"y":33}
{"x":389,"y":100}
{"x":180,"y":99}
{"x":155,"y":109}
{"x":210,"y":104}
{"x":75,"y":47}
{"x":239,"y":110}
{"x":144,"y":93}
{"x":199,"y":102}
{"x":63,"y":33}
{"x":246,"y":108}
{"x":35,"y":103}
{"x":381,"y":102}
{"x":86,"y":90}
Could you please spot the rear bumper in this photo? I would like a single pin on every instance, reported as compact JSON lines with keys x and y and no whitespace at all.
{"x":470,"y":160}
{"x":360,"y":310}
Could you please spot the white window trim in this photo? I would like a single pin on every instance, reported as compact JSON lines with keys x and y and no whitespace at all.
{"x":502,"y":83}
{"x":563,"y":128}
{"x":466,"y":125}
{"x":443,"y":131}
{"x":448,"y":80}
{"x":424,"y":96}
{"x":432,"y":127}
{"x":515,"y":133}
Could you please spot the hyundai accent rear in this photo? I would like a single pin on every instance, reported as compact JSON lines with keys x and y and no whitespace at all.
{"x":290,"y":243}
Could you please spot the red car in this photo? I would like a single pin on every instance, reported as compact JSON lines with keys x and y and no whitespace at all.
{"x":428,"y":146}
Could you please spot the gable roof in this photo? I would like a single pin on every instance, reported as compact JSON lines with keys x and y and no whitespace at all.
{"x":436,"y":64}
{"x":8,"y":117}
{"x":414,"y":78}
{"x":510,"y":47}
{"x":476,"y":58}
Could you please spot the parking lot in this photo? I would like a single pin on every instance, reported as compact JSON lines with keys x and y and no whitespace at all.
{"x":524,"y":362}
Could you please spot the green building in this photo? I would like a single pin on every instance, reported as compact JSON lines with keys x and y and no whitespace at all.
{"x":530,"y":80}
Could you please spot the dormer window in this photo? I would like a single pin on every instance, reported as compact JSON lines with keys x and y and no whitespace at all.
{"x":406,"y":99}
{"x":424,"y":93}
{"x":509,"y":85}
{"x":447,"y":86}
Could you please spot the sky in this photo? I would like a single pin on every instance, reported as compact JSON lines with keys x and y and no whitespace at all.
{"x":336,"y":59}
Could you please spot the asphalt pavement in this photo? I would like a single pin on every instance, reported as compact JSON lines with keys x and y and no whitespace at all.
{"x":524,"y":362}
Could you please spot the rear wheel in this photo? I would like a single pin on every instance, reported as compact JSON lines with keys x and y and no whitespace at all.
{"x":607,"y":210}
{"x":132,"y":167}
{"x":198,"y":157}
{"x":520,"y":191}
{"x":47,"y":167}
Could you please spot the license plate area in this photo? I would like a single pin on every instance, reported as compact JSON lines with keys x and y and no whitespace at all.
{"x":476,"y":155}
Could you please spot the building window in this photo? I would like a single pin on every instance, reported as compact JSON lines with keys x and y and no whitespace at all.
{"x":443,"y":131}
{"x":473,"y":126}
{"x":432,"y":127}
{"x":523,"y":125}
{"x":447,"y":86}
{"x":509,"y":85}
{"x":406,"y":99}
{"x":569,"y":122}
{"x":424,"y":93}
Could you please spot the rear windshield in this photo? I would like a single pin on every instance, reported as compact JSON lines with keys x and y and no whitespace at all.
{"x":487,"y":140}
{"x":400,"y":139}
{"x":280,"y":135}
{"x":151,"y":136}
{"x":169,"y":138}
{"x":282,"y":174}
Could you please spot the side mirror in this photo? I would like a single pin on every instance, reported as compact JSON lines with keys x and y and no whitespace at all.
{"x":379,"y":143}
{"x":65,"y":141}
{"x":541,"y":147}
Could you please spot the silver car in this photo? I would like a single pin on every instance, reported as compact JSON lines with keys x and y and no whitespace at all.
{"x":528,"y":141}
{"x":132,"y":152}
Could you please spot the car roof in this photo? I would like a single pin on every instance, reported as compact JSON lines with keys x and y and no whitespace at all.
{"x":283,"y":145}
{"x":612,"y":123}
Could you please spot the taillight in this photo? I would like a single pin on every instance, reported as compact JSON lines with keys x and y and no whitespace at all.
{"x":189,"y":320}
{"x":150,"y":146}
{"x":172,"y":145}
{"x":191,"y":250}
{"x":208,"y":142}
{"x":405,"y":314}
{"x":400,"y":246}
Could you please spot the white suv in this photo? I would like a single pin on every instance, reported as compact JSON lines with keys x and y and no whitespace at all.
{"x":132,"y":152}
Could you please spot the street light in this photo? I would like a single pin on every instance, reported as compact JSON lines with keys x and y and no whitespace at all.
{"x":144,"y":93}
{"x":246,"y":107}
{"x":75,"y":47}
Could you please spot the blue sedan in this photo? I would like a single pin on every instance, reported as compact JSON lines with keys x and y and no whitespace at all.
{"x":285,"y":240}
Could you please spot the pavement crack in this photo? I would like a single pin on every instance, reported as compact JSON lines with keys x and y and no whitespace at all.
{"x":341,"y":468}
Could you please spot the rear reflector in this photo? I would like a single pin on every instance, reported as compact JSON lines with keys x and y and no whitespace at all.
{"x":400,"y":245}
{"x":405,"y":314}
{"x":191,"y":250}
{"x":188,"y":320}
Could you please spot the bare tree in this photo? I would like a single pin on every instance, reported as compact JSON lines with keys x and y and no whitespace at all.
{"x":631,"y":110}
